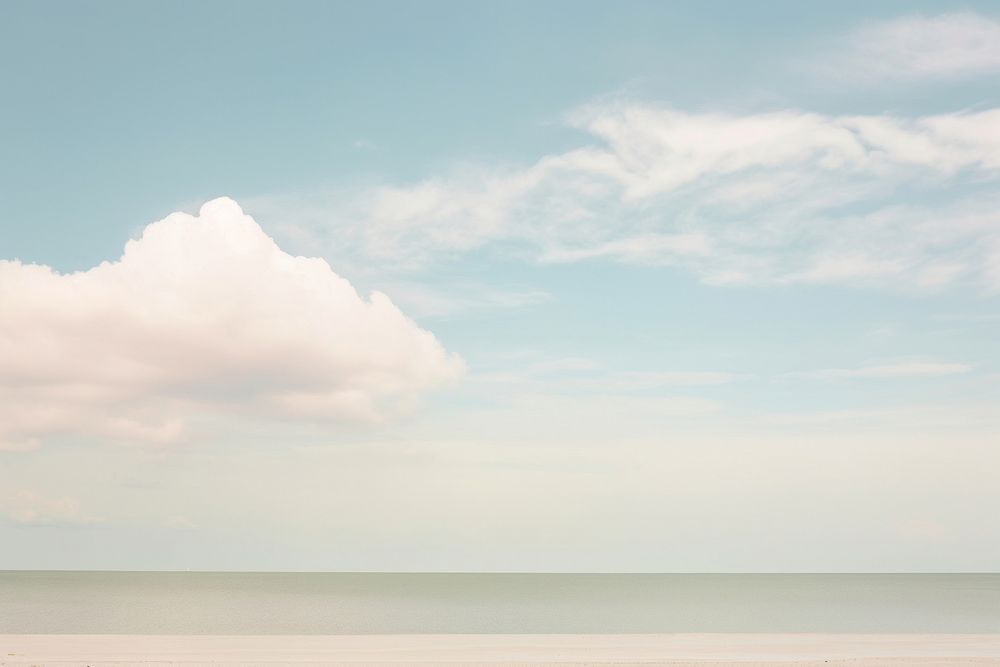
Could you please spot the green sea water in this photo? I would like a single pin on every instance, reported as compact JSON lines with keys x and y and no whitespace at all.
{"x":330,"y":603}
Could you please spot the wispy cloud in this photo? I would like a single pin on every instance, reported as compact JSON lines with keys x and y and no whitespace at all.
{"x":423,"y":300}
{"x":625,"y":381}
{"x":576,"y":376}
{"x":26,"y":507}
{"x":18,"y":444}
{"x":908,"y":48}
{"x":906,"y":369}
{"x":980,"y":417}
{"x":778,"y":197}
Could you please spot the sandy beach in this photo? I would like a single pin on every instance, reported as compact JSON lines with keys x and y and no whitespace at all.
{"x":646,"y":649}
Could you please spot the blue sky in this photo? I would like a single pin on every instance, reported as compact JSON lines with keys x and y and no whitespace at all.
{"x":671,"y":284}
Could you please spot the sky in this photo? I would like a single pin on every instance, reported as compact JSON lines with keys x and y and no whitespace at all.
{"x":518,"y":286}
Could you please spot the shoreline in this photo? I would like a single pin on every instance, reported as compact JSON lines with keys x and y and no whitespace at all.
{"x":494,"y":650}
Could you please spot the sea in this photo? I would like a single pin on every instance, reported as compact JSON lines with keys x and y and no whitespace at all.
{"x":39,"y":602}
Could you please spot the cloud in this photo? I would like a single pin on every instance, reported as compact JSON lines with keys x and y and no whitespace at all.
{"x":906,"y":369}
{"x":908,"y":48}
{"x":23,"y":444}
{"x":423,"y":300}
{"x":781,"y":197}
{"x":628,"y":381}
{"x":580,"y":377}
{"x":200,"y":316}
{"x":30,"y":508}
{"x":950,"y":419}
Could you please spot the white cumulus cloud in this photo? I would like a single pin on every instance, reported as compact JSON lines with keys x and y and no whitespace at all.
{"x":201,"y":315}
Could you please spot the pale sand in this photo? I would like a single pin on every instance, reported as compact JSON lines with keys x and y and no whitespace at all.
{"x":396,"y":650}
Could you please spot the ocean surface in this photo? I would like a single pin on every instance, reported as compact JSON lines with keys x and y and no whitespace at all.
{"x":329,"y":603}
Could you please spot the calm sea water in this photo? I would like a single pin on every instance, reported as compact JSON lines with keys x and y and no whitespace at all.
{"x":303,"y":603}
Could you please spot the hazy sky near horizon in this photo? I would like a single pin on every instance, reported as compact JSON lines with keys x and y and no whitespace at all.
{"x":559,"y":286}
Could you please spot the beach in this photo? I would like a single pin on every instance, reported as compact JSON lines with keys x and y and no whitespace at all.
{"x":478,"y":649}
